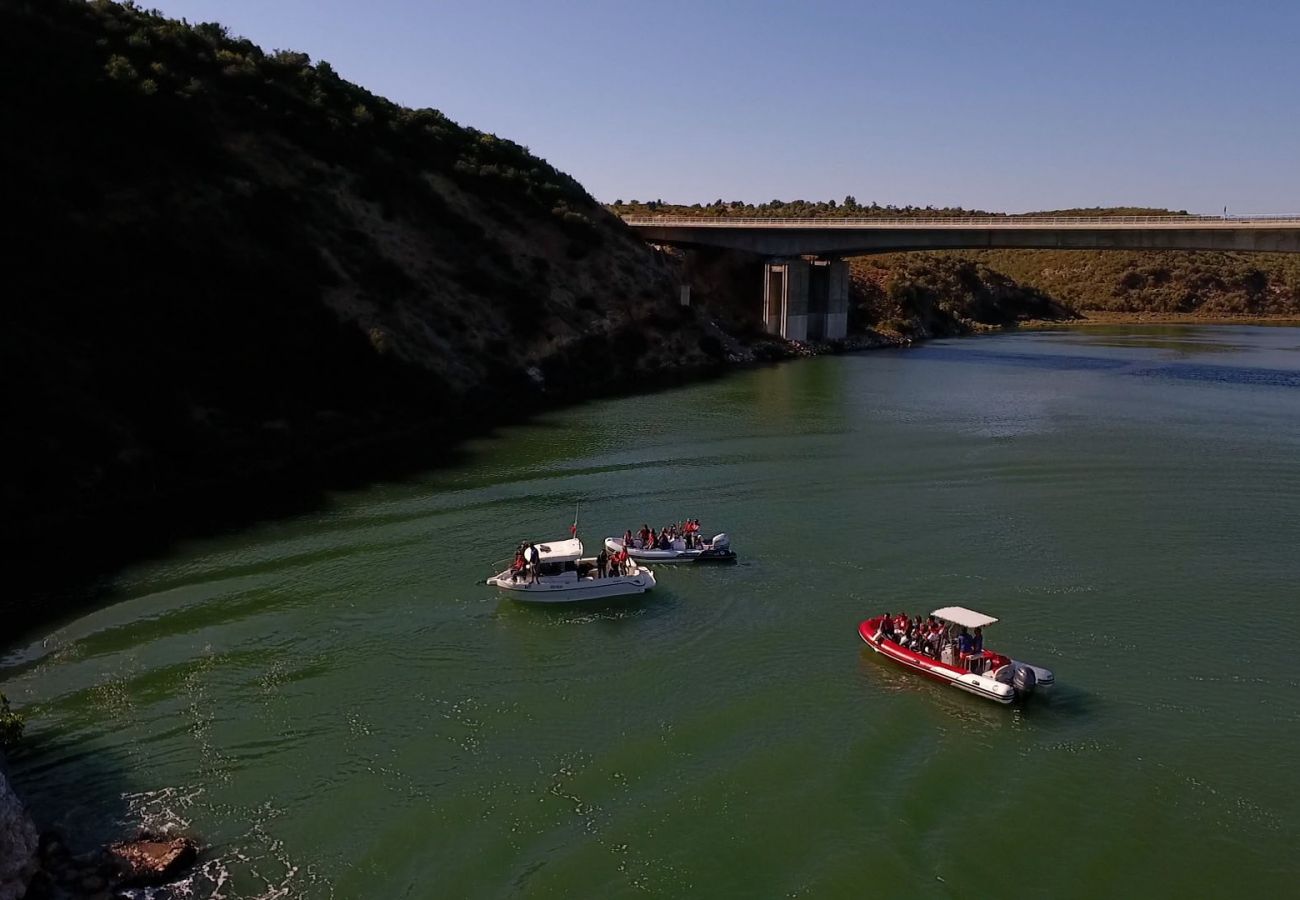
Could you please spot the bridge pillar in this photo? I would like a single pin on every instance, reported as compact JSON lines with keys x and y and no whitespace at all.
{"x":785,"y":298}
{"x":837,"y":301}
{"x":806,"y":301}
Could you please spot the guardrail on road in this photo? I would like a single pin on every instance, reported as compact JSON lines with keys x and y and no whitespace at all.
{"x":970,"y":221}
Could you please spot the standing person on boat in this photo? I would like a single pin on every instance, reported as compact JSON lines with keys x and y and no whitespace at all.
{"x":977,"y":642}
{"x":963,"y":643}
{"x":534,"y":559}
{"x":602,"y":563}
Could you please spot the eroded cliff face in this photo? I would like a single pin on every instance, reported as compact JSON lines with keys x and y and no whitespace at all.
{"x":18,"y":843}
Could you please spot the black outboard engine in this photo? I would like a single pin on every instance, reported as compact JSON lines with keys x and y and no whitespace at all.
{"x":1024,"y":680}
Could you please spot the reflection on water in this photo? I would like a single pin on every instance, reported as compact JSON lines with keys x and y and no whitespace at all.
{"x":339,"y":706}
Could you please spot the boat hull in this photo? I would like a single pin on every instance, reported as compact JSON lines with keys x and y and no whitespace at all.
{"x":978,"y":685}
{"x":702,"y":555}
{"x":580,"y":590}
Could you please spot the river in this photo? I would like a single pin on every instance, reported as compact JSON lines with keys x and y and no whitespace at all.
{"x":338,"y":707}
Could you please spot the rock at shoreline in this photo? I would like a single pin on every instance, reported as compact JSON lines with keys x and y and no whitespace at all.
{"x":150,"y":860}
{"x":18,"y":842}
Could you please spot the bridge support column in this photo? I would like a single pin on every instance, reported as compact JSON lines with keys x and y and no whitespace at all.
{"x":806,"y":301}
{"x":837,"y":301}
{"x":785,"y":298}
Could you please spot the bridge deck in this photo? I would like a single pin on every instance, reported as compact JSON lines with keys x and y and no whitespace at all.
{"x":836,"y":237}
{"x":1010,"y":222}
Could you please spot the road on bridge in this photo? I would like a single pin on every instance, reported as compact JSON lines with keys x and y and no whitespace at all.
{"x":836,"y":237}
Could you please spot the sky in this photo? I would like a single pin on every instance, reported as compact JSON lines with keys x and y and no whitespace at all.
{"x":1002,"y":106}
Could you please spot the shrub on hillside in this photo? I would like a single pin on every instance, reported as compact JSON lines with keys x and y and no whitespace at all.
{"x":11,"y":725}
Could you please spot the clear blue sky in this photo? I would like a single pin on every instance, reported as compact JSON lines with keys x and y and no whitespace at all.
{"x":997,"y":105}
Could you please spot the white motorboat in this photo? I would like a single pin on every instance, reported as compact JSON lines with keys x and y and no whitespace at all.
{"x":562,"y":575}
{"x":717,"y":549}
{"x":984,"y":673}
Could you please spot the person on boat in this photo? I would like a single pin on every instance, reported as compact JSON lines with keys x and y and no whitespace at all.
{"x":665,"y":543}
{"x":977,"y":641}
{"x":534,"y":558}
{"x":900,"y":624}
{"x":933,"y":637}
{"x":885,"y":631}
{"x":964,"y":642}
{"x":602,"y":563}
{"x":627,"y":539}
{"x":917,"y":636}
{"x":517,"y":567}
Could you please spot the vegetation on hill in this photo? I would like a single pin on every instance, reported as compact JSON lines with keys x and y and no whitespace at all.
{"x":231,"y":266}
{"x":1207,"y":283}
{"x":848,"y":208}
{"x":11,"y":725}
{"x":918,"y":295}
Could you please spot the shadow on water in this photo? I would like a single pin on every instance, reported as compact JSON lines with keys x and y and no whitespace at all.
{"x":87,"y":810}
{"x":71,"y":556}
{"x":649,"y":605}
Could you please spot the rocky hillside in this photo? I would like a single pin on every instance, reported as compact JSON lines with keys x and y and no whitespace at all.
{"x":922,"y":295}
{"x":17,"y":842}
{"x":226,"y":266}
{"x":1203,"y":283}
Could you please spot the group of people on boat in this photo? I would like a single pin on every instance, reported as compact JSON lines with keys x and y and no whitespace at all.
{"x":649,"y":539}
{"x":608,"y":565}
{"x":527,"y":559}
{"x":612,"y":565}
{"x":931,"y":638}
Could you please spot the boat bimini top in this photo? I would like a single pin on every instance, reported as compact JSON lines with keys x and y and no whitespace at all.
{"x":560,"y":551}
{"x":960,"y":615}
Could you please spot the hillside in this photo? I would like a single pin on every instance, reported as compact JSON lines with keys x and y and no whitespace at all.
{"x":231,"y":268}
{"x":1159,"y":282}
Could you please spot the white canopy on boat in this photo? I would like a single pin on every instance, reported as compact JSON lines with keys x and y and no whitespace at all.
{"x":560,"y":551}
{"x":960,"y":615}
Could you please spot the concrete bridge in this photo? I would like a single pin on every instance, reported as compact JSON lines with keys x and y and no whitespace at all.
{"x":806,"y":299}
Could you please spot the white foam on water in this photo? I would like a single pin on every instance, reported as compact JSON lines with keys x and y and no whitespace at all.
{"x":252,"y":866}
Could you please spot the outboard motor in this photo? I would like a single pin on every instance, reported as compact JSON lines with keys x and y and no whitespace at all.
{"x":721,"y":541}
{"x":1024,"y":680}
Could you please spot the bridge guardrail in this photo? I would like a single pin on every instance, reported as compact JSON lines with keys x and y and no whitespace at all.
{"x":963,"y":221}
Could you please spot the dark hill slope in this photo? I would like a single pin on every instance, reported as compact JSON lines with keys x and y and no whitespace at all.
{"x":224,"y":263}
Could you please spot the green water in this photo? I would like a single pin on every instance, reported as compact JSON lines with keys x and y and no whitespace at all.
{"x":338,"y":707}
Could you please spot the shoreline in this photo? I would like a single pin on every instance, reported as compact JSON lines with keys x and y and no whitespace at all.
{"x":1092,"y":318}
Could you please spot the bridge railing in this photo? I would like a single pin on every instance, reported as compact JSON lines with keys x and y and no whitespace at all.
{"x":962,"y":221}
